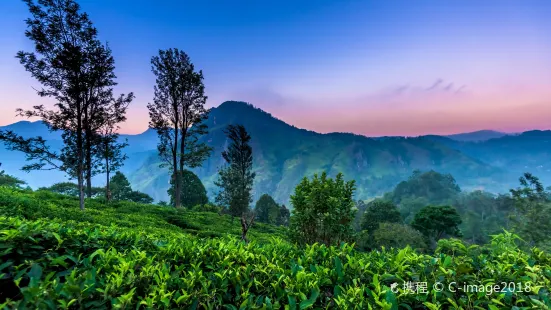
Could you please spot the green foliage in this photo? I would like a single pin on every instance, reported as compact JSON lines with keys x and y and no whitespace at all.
{"x":126,"y":255}
{"x":178,"y":113}
{"x":236,"y":179}
{"x":532,"y":216}
{"x":71,"y":189}
{"x":206,"y":208}
{"x":120,"y":187}
{"x":483,"y":214}
{"x":193,"y":191}
{"x":121,"y":190}
{"x":397,"y":236}
{"x":266,"y":210}
{"x":435,"y":187}
{"x":44,"y":204}
{"x":436,"y":222}
{"x":284,"y":216}
{"x":46,"y":264}
{"x":139,"y":197}
{"x":10,"y":181}
{"x":380,"y":211}
{"x":323,"y":210}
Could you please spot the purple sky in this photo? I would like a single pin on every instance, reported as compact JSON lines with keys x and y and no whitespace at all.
{"x":368,"y":67}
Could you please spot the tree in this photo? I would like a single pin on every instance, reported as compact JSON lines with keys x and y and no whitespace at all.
{"x":267,"y":210}
{"x":64,"y":188}
{"x":109,"y":150}
{"x":380,"y":211}
{"x":178,"y":114}
{"x":395,"y":235}
{"x":121,"y":190}
{"x":323,"y":210}
{"x":120,"y":187}
{"x":194,"y":193}
{"x":435,"y":187}
{"x":436,"y":222}
{"x":70,"y":189}
{"x":284,"y":216}
{"x":247,"y":221}
{"x":532,"y":215}
{"x":101,"y":116}
{"x":10,"y":181}
{"x":236,"y":179}
{"x":139,"y":197}
{"x":481,"y":215}
{"x":73,"y":68}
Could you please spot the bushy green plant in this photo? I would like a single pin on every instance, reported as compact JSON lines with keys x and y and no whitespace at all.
{"x":207,"y":207}
{"x":192,"y":190}
{"x":323,"y":210}
{"x":395,"y":235}
{"x":380,"y":211}
{"x":266,"y":209}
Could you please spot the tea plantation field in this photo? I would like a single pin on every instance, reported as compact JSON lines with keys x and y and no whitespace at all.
{"x":128,"y":256}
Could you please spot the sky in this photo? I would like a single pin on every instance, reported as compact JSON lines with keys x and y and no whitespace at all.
{"x":368,"y":67}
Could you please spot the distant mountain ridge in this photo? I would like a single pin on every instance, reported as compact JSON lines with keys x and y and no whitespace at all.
{"x":477,"y":136}
{"x":283,"y":154}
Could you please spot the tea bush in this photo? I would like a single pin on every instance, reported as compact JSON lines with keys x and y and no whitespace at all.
{"x":44,"y":204}
{"x":53,"y":262}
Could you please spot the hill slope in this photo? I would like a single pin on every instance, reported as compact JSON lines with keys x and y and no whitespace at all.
{"x":283,"y":154}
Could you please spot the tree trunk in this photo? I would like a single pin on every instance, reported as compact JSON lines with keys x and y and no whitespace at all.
{"x":107,"y":189}
{"x":80,"y":161}
{"x":245,"y":226}
{"x":175,"y":170}
{"x":182,"y":150}
{"x":88,"y":151}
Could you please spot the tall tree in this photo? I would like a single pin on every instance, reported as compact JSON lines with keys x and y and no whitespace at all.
{"x":236,"y":179}
{"x":178,"y":113}
{"x":102,"y":112}
{"x":74,"y":68}
{"x":109,"y":149}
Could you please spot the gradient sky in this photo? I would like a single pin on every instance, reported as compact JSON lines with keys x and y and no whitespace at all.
{"x":368,"y":67}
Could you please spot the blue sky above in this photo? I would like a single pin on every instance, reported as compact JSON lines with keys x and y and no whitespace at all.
{"x":358,"y":66}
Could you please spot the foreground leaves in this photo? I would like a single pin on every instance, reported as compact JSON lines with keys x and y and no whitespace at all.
{"x":50,"y":264}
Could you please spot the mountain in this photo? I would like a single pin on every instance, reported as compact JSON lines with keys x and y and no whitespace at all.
{"x":477,"y":136}
{"x":283,"y":154}
{"x":529,"y":151}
